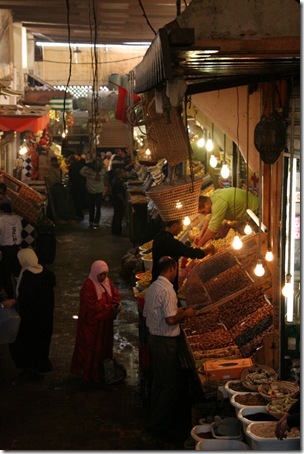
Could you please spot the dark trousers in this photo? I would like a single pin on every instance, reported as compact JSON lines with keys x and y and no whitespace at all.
{"x":119,"y":211}
{"x":166,"y":392}
{"x":9,"y":269}
{"x":94,"y":207}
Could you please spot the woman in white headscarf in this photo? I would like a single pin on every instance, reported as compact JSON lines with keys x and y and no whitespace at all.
{"x":99,"y":306}
{"x":35,"y":304}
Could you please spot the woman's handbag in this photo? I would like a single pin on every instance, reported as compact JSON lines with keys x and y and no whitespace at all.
{"x":9,"y":324}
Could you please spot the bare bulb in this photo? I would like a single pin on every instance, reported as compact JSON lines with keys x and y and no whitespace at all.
{"x":213,"y":161}
{"x":225,"y":172}
{"x":23,"y":150}
{"x":287,"y":290}
{"x":209,"y":145}
{"x":237,"y":242}
{"x":148,"y":152}
{"x":201,"y":142}
{"x":259,"y":269}
{"x":247,"y":229}
{"x":186,"y":220}
{"x":63,"y":134}
{"x":269,"y":255}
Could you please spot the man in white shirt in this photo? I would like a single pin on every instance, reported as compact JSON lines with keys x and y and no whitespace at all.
{"x":10,"y":242}
{"x":162,"y":319}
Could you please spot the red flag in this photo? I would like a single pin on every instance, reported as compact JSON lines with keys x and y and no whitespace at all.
{"x":121,"y":106}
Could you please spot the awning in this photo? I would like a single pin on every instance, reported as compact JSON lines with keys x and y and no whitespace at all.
{"x":18,"y":124}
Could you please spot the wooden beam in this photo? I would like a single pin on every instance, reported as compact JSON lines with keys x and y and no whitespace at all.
{"x":285,"y":45}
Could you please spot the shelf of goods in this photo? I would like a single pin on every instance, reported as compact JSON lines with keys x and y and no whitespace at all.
{"x":27,"y":202}
{"x":232,"y":305}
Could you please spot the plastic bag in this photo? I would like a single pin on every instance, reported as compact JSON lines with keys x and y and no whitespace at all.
{"x":9,"y":324}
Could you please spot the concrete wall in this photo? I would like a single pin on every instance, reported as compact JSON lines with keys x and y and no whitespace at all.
{"x":229,"y":19}
{"x":115,"y":60}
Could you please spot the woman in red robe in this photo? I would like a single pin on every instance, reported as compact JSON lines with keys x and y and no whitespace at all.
{"x":99,"y":306}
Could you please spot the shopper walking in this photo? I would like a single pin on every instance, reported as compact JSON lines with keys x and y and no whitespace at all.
{"x":162,"y":319}
{"x":77,"y":185}
{"x":118,"y":200}
{"x":94,"y":173}
{"x":35,"y":304}
{"x":99,"y":306}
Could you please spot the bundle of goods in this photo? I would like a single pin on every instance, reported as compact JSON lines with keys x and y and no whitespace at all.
{"x":27,"y":202}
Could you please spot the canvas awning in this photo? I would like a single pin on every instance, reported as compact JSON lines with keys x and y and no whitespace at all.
{"x":22,"y":118}
{"x":24,"y":124}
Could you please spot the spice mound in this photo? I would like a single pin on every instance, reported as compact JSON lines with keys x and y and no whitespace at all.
{"x":250,"y":399}
{"x":267,"y":430}
{"x":237,"y":386}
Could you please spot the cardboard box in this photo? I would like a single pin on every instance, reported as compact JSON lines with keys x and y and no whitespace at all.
{"x":226,"y":368}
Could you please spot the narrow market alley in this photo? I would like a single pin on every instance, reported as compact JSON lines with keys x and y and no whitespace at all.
{"x":60,"y":412}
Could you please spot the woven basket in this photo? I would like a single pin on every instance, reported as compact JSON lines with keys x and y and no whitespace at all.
{"x":279,"y":403}
{"x":287,"y":388}
{"x":176,"y":200}
{"x":165,"y":140}
{"x":252,"y":386}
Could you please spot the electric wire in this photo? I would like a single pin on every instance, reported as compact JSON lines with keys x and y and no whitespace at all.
{"x":146,"y":17}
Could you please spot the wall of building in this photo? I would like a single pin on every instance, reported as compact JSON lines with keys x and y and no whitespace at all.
{"x":54,"y":68}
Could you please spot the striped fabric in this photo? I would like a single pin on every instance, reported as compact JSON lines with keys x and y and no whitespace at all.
{"x":57,"y":104}
{"x":160,"y":303}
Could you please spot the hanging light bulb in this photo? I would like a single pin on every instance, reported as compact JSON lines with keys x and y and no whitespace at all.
{"x":287,"y":290}
{"x":186,"y":220}
{"x":269,"y":255}
{"x":237,"y":242}
{"x":213,"y":161}
{"x":225,"y":172}
{"x":63,"y":135}
{"x":247,"y":229}
{"x":201,"y":142}
{"x":259,"y":269}
{"x":23,"y":149}
{"x":148,"y":152}
{"x":209,"y":145}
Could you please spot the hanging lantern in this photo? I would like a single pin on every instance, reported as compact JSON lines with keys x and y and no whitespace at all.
{"x":270,"y":137}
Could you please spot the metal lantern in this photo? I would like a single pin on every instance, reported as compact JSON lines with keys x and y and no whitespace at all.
{"x":270,"y":137}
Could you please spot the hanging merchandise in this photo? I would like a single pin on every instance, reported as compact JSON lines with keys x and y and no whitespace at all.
{"x":270,"y":133}
{"x":176,"y":200}
{"x":270,"y":137}
{"x":165,"y":139}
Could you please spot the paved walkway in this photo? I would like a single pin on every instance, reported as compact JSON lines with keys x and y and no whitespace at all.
{"x":61,"y":412}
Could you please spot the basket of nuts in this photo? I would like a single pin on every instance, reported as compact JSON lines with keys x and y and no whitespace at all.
{"x":278,"y":389}
{"x":257,"y":374}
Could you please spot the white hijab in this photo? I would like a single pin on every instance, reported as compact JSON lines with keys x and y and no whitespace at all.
{"x":100,"y":267}
{"x":28,"y":261}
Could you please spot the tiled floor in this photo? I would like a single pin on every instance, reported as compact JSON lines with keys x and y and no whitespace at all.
{"x":61,"y":412}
